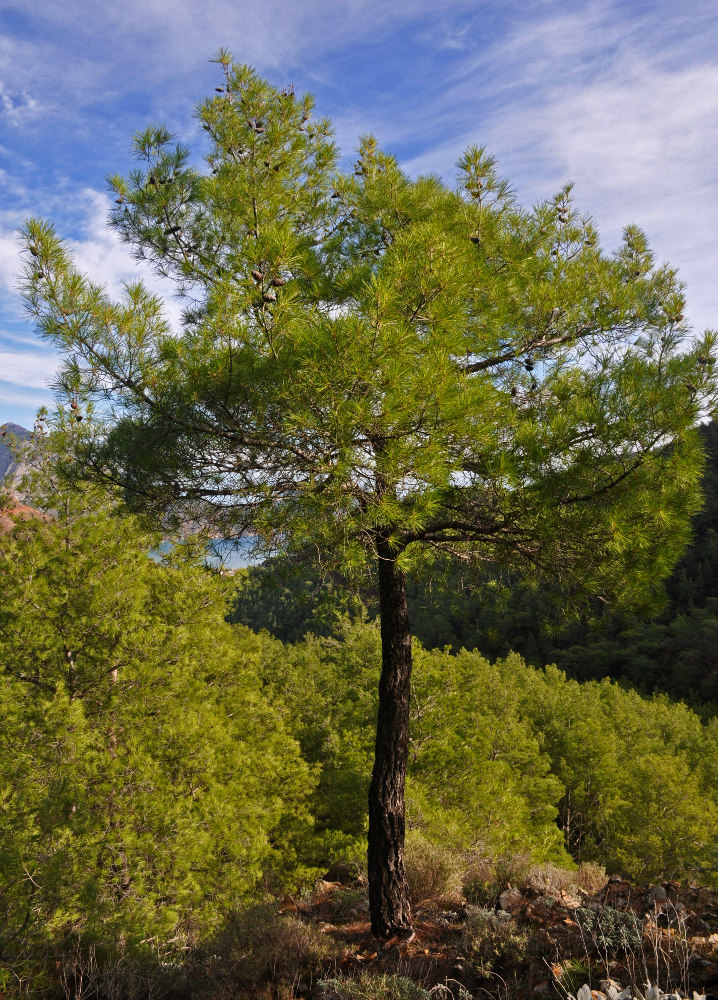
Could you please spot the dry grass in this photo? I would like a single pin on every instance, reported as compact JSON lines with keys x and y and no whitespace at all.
{"x":591,"y":877}
{"x":262,"y":949}
{"x":434,"y":872}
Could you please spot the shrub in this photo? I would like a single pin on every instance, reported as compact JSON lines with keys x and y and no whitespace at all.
{"x":433,"y":871}
{"x":610,"y":930}
{"x":486,"y":877}
{"x":260,"y":946}
{"x":494,"y":945}
{"x":550,"y":879}
{"x":591,"y":876}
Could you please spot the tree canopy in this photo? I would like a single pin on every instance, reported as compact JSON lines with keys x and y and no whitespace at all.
{"x":373,"y":366}
{"x":146,"y":781}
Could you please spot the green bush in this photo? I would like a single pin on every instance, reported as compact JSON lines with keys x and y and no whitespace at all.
{"x":610,"y":930}
{"x":510,"y":766}
{"x":495,"y":946}
{"x":147,"y":783}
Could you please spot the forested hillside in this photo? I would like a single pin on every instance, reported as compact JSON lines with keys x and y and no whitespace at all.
{"x":674,"y":650}
{"x":163,"y":770}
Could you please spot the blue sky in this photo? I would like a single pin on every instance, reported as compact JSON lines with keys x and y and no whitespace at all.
{"x":621,"y":98}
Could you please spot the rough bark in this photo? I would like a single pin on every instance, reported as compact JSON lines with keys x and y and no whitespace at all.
{"x":388,"y":891}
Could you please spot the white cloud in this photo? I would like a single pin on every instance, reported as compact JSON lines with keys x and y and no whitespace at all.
{"x":96,"y":250}
{"x":8,"y":261}
{"x":621,"y":99}
{"x":106,"y":49}
{"x":28,"y":368}
{"x":100,"y":255}
{"x":20,"y":404}
{"x":604,"y":100}
{"x":18,"y":107}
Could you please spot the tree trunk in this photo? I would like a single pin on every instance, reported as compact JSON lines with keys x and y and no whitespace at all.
{"x":388,"y":891}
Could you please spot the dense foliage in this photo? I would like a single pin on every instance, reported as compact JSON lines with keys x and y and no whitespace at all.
{"x":161,"y":769}
{"x":508,"y":759}
{"x":672,"y":649}
{"x":377,"y":368}
{"x":147,"y":783}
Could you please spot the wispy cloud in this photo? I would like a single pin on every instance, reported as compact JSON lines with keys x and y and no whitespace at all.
{"x":622,"y":98}
{"x":28,"y":368}
{"x":19,"y":404}
{"x":99,"y":254}
{"x":95,"y":249}
{"x":18,"y":107}
{"x":596,"y":96}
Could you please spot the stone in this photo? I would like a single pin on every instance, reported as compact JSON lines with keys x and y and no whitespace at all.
{"x":511,"y":899}
{"x":610,"y":987}
{"x":658,"y":894}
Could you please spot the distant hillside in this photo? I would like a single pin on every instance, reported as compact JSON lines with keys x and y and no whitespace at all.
{"x":8,"y":464}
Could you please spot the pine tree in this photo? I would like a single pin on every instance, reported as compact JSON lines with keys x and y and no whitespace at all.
{"x":147,"y":783}
{"x":372,"y":367}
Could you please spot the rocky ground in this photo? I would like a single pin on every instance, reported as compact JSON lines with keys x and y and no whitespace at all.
{"x":531,"y":940}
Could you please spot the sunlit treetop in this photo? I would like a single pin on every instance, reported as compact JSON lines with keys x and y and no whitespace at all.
{"x":363,"y":352}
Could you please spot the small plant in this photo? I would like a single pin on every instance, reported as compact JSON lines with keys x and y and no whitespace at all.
{"x":591,"y":876}
{"x":666,"y":952}
{"x":611,"y":930}
{"x":493,"y":945}
{"x":456,"y":991}
{"x":571,"y":975}
{"x":480,"y":884}
{"x":347,"y":900}
{"x":485,"y":878}
{"x":259,"y":947}
{"x":549,"y":879}
{"x":372,"y":987}
{"x":433,"y":871}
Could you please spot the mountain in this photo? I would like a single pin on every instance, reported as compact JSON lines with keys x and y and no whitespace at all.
{"x":8,"y":465}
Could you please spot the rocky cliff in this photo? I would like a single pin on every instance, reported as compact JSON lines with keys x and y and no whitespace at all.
{"x":8,"y":464}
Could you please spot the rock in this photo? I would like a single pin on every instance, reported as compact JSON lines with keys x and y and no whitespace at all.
{"x":698,"y":926}
{"x":610,"y":987}
{"x":658,"y":894}
{"x":511,"y":899}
